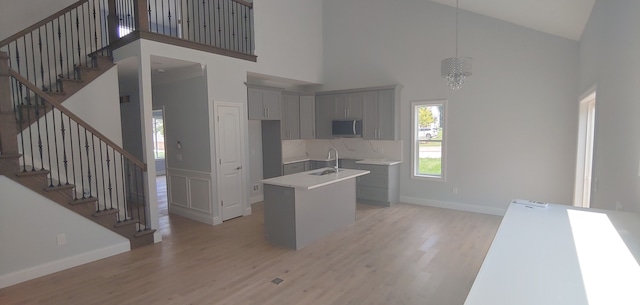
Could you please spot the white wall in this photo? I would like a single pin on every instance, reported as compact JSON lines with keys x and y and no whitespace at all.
{"x":17,"y":15}
{"x":29,"y":225}
{"x":512,"y":127}
{"x":610,"y":61}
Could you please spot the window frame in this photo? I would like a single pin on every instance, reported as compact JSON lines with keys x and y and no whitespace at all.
{"x":415,"y":163}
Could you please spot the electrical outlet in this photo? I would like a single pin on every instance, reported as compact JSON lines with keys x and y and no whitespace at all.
{"x":61,"y":239}
{"x":256,"y":187}
{"x":455,"y":190}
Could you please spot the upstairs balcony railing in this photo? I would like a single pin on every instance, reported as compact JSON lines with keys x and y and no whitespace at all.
{"x":223,"y":24}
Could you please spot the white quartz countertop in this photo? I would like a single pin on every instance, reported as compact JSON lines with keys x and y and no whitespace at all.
{"x":306,"y":180}
{"x":359,"y":161}
{"x":378,"y":162}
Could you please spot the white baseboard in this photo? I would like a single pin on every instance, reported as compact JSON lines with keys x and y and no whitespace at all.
{"x":256,"y":199}
{"x":453,"y":205}
{"x":20,"y":276}
{"x":191,"y":214}
{"x":217,"y":220}
{"x":247,"y":211}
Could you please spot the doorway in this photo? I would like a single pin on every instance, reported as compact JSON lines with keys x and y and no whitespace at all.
{"x":229,"y":138}
{"x":584,"y":163}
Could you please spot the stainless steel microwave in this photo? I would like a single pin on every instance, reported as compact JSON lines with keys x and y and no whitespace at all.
{"x":346,"y":128}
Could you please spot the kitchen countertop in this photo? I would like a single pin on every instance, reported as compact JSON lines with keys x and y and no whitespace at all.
{"x":359,"y":161}
{"x":307,"y":181}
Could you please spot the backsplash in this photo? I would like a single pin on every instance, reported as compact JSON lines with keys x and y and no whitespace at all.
{"x":347,"y":148}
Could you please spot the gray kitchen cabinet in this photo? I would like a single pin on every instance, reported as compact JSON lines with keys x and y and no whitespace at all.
{"x":378,"y":122}
{"x":307,"y":117}
{"x":296,"y":167}
{"x":263,"y":104}
{"x":347,"y":106}
{"x":324,"y":116}
{"x":381,"y":186}
{"x":290,"y":125}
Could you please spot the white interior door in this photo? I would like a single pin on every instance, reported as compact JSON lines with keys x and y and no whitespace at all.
{"x":230,"y":158}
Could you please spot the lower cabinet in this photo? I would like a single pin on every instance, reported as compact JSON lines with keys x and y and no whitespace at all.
{"x":293,"y":168}
{"x":381,"y":186}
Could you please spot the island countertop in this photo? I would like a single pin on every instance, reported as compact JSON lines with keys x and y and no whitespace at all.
{"x":306,"y":180}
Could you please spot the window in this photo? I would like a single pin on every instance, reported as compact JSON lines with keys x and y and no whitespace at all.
{"x":428,"y":139}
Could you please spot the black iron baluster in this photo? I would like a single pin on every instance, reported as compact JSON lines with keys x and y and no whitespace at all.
{"x":204,"y":21}
{"x":95,"y":169}
{"x":126,"y":187}
{"x":80,"y":156}
{"x":137,"y":194}
{"x":18,"y":58}
{"x":20,"y":106}
{"x":144,"y":201}
{"x":115,"y":177}
{"x":39,"y":132}
{"x":55,"y":142}
{"x":188,"y":21}
{"x":60,"y":53}
{"x":95,"y":27}
{"x":64,"y":149}
{"x":73,"y":160}
{"x":104,"y":190}
{"x":33,"y":62}
{"x":109,"y":176}
{"x":46,"y":128}
{"x":84,"y":32}
{"x":55,"y":67}
{"x":86,"y":146}
{"x":164,"y":27}
{"x":220,"y":36}
{"x":156,"y":11}
{"x":250,"y":30}
{"x":44,"y":88}
{"x":233,"y":26}
{"x":66,"y":46}
{"x":78,"y":33}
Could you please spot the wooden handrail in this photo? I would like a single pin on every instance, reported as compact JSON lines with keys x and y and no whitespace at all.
{"x":41,"y":23}
{"x":77,"y":119}
{"x":245,"y":3}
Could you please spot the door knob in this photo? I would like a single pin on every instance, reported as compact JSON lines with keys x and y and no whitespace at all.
{"x":239,"y":167}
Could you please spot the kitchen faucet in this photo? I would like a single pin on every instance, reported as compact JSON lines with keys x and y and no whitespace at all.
{"x":329,"y":157}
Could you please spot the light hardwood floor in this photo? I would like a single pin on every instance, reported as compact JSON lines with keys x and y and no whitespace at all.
{"x":405,"y":254}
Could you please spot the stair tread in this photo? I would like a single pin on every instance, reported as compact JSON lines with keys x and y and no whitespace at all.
{"x":59,"y":187}
{"x":126,"y":223}
{"x":144,"y":233}
{"x":106,"y":212}
{"x":10,"y":156}
{"x":32,"y":172}
{"x":84,"y":200}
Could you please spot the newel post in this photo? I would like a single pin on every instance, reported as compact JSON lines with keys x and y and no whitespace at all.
{"x":8,"y":128}
{"x":141,"y":12}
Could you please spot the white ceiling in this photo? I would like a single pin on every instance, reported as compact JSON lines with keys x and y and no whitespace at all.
{"x":564,"y":18}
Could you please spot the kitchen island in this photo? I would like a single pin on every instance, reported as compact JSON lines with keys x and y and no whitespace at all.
{"x":301,"y":208}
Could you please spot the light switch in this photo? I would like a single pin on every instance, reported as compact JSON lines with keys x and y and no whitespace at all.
{"x":179,"y":157}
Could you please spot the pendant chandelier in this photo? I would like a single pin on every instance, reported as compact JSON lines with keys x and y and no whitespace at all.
{"x":456,"y":69}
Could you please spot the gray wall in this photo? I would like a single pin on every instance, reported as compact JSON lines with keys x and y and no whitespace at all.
{"x":130,"y":114}
{"x":186,"y":120}
{"x":512,"y":127}
{"x":610,"y":60}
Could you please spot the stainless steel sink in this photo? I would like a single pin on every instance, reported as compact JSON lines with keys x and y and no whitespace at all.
{"x":324,"y":172}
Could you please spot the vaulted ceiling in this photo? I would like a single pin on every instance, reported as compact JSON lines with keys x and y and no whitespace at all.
{"x":564,"y":18}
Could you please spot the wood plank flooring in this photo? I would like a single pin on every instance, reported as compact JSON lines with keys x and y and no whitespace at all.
{"x":405,"y":254}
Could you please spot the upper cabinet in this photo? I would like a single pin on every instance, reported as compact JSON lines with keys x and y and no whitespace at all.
{"x":378,"y":122}
{"x":263,"y":104}
{"x":347,"y":106}
{"x":307,"y":117}
{"x":290,"y":124}
{"x":376,"y":107}
{"x":324,"y":116}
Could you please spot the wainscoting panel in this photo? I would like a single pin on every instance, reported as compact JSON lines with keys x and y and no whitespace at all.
{"x":190,"y":194}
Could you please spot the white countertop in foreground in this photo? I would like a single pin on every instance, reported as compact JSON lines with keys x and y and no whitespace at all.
{"x":307,"y":181}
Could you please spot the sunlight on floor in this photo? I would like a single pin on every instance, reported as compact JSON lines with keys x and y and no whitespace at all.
{"x":610,"y":273}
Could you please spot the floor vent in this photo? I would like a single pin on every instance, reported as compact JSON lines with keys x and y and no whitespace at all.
{"x":277,"y":281}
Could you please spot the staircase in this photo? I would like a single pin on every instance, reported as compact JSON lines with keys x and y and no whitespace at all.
{"x":46,"y":147}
